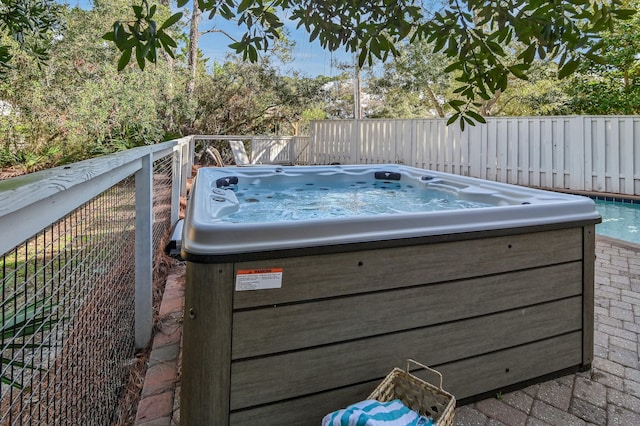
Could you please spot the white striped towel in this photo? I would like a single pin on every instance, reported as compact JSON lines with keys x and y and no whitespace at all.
{"x":374,"y":413}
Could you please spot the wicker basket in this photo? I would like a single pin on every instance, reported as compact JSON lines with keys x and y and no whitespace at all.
{"x":418,"y":395}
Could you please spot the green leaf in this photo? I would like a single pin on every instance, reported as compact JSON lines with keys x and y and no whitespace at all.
{"x":253,"y":53}
{"x":124,"y":59}
{"x":171,"y":20}
{"x":518,"y":72}
{"x":244,"y":5}
{"x":362,"y":57}
{"x":140,"y":56}
{"x":452,"y":67}
{"x":109,"y":36}
{"x":568,"y":68}
{"x":166,"y":40}
{"x":477,"y":117}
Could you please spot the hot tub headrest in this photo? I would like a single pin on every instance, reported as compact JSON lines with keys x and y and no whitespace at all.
{"x":227,"y":181}
{"x":388,"y":175}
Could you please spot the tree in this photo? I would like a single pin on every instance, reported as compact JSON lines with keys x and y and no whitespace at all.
{"x":79,"y":105}
{"x":413,"y":84}
{"x":610,"y":85}
{"x":252,"y":98}
{"x":469,"y":32}
{"x":31,"y":24}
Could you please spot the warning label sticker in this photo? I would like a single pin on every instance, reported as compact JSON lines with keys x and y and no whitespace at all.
{"x":258,"y":279}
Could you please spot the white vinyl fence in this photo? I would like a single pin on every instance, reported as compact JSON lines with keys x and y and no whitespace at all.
{"x":585,"y":153}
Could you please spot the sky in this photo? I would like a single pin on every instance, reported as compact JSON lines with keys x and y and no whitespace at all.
{"x":309,"y":58}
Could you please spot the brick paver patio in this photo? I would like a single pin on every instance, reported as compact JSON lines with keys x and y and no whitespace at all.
{"x":609,"y":394}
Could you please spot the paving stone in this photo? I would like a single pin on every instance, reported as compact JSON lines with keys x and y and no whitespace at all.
{"x":588,"y":412}
{"x":614,"y":331}
{"x":494,"y":422}
{"x":623,"y":356}
{"x":554,"y":416}
{"x":501,"y":411}
{"x":159,"y":378}
{"x":170,"y":334}
{"x":555,"y":394}
{"x":155,"y":407}
{"x":607,"y":379}
{"x":631,"y":326}
{"x":600,"y":352}
{"x":610,"y":293}
{"x":610,"y":321}
{"x":532,"y":421}
{"x":532,"y":390}
{"x":164,"y":354}
{"x":621,"y":304}
{"x":566,"y":380}
{"x":631,"y":345}
{"x":164,"y":421}
{"x":601,"y":338}
{"x":616,"y":261}
{"x":599,"y":310}
{"x":601,"y":301}
{"x":176,"y":305}
{"x":633,"y":297}
{"x":621,"y":399}
{"x":467,"y":416}
{"x":608,"y":367}
{"x":592,"y":392}
{"x":618,"y":416}
{"x":632,"y":388}
{"x":519,"y":400}
{"x":632,"y":374}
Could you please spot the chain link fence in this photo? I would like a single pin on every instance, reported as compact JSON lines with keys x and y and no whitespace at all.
{"x":67,"y":308}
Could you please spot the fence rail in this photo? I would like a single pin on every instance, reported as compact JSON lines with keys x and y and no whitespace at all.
{"x":76,"y":271}
{"x":586,"y":153}
{"x":262,"y":149}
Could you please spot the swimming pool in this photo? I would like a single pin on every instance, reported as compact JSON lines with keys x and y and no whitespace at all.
{"x":620,"y":220}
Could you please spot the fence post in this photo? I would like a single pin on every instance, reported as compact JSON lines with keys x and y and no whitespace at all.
{"x":144,"y":252}
{"x":176,"y":182}
{"x":577,"y":152}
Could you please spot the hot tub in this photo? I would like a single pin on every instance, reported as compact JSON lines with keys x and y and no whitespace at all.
{"x":302,"y":314}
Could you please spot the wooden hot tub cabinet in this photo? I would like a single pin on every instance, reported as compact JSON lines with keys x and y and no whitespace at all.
{"x":488,"y":309}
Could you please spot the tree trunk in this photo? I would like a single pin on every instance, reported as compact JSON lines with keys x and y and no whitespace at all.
{"x":487,"y":106}
{"x":193,"y":49}
{"x":434,"y":101}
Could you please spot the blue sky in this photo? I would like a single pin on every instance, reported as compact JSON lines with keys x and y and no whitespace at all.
{"x":309,"y":58}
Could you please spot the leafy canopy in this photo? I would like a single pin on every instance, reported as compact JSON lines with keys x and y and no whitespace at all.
{"x":471,"y":33}
{"x":30,"y":23}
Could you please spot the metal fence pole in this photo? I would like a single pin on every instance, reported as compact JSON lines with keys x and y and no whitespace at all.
{"x":176,"y":183}
{"x":144,"y":253}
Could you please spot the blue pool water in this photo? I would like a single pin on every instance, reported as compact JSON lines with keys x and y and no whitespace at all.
{"x":619,"y":220}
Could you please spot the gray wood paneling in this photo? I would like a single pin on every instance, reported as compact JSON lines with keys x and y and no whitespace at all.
{"x":311,"y":277}
{"x":303,"y":411}
{"x":462,"y":378}
{"x":207,"y":331}
{"x":258,"y":381}
{"x":588,"y":294}
{"x":288,"y":327}
{"x":490,"y":372}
